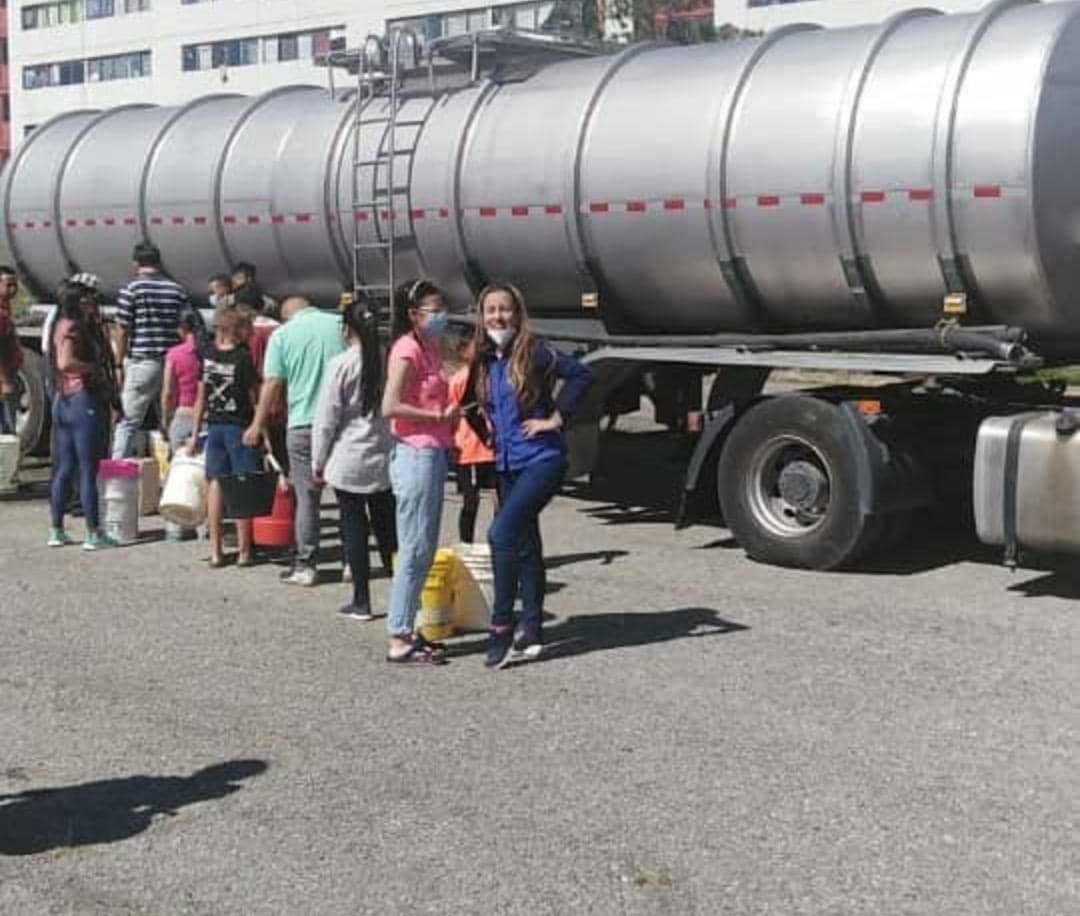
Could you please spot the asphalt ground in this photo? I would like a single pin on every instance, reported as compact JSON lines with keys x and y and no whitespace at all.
{"x":708,"y":735}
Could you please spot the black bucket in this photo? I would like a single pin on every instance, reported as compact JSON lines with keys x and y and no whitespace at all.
{"x":248,"y":495}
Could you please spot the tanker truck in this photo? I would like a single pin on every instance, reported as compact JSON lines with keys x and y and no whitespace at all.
{"x":899,"y":200}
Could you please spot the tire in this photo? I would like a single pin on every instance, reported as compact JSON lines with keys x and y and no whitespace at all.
{"x":32,"y":421}
{"x":787,"y":480}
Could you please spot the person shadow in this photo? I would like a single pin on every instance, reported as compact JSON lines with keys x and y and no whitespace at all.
{"x":109,"y":810}
{"x":601,"y":632}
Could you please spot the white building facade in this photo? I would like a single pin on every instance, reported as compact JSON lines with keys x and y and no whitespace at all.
{"x":762,"y":15}
{"x":69,"y":54}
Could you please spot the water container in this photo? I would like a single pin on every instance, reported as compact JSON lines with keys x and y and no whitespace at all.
{"x":474,"y":588}
{"x":9,"y":463}
{"x":275,"y":529}
{"x":183,"y":501}
{"x":118,"y":494}
{"x":435,"y":620}
{"x":159,"y":449}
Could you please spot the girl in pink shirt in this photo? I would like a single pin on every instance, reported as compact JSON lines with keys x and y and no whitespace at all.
{"x":422,"y":419}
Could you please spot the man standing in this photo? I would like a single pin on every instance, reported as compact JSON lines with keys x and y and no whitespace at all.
{"x":243,"y":277}
{"x":296,"y":358}
{"x":11,"y":355}
{"x":147,"y":314}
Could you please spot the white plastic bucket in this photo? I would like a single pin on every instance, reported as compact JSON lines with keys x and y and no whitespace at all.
{"x":474,"y":593}
{"x":183,"y":501}
{"x":118,"y":495}
{"x":9,"y":463}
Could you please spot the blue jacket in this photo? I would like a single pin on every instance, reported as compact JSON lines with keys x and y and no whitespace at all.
{"x":512,"y":450}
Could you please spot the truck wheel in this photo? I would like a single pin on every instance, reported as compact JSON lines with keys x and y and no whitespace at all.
{"x":32,"y":421}
{"x":787,"y":484}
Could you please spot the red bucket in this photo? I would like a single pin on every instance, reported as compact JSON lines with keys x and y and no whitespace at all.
{"x":275,"y":529}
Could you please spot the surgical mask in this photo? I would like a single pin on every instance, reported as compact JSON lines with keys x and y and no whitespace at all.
{"x":436,"y":324}
{"x":500,"y":336}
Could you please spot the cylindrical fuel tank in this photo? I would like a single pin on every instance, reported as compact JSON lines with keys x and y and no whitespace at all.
{"x":809,"y":179}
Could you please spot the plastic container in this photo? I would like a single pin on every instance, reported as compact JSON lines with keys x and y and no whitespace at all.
{"x":275,"y":529}
{"x":118,"y":493}
{"x":436,"y":618}
{"x":474,"y":588}
{"x":248,"y":495}
{"x":183,"y":502}
{"x":149,"y":486}
{"x":159,"y":450}
{"x":9,"y":463}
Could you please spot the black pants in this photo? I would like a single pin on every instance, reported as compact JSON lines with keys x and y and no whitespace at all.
{"x":471,"y":479}
{"x":355,"y":529}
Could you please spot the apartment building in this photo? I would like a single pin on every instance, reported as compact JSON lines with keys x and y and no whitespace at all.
{"x":71,"y":54}
{"x":761,"y":15}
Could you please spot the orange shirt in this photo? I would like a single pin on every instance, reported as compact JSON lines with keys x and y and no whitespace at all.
{"x":469,"y":447}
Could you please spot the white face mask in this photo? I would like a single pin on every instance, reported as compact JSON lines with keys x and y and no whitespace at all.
{"x":500,"y":336}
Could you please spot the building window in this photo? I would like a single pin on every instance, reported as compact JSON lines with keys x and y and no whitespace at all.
{"x":523,"y":16}
{"x":94,"y":70}
{"x":64,"y":12}
{"x":242,"y":52}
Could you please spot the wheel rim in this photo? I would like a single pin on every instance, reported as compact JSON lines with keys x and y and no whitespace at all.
{"x":789,"y":487}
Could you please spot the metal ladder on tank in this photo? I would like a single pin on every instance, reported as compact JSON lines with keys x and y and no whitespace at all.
{"x":372,"y":199}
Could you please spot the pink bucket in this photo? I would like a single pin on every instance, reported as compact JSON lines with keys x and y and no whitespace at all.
{"x":118,"y":470}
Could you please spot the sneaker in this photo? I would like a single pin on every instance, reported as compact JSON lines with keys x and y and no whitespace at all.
{"x":500,"y":641}
{"x":354,"y":613}
{"x":529,"y":644}
{"x":300,"y":575}
{"x":97,"y":541}
{"x":58,"y":538}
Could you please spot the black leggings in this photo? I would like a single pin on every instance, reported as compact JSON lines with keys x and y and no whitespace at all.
{"x":355,"y":508}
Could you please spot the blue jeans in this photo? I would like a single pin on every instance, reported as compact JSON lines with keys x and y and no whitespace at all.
{"x":77,"y":424}
{"x":418,"y":476}
{"x":9,"y":408}
{"x":226,"y":454}
{"x":517,"y":552}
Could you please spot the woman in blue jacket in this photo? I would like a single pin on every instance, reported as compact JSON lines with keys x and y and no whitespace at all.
{"x":511,"y":378}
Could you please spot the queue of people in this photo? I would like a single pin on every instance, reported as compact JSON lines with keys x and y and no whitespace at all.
{"x":380,"y":434}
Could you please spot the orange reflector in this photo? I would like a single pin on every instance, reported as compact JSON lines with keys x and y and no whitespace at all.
{"x":868,"y":408}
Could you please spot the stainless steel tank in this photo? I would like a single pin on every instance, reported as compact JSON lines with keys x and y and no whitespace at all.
{"x":810,"y":179}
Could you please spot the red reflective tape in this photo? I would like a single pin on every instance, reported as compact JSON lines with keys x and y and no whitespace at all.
{"x":674,"y":203}
{"x":178,"y":221}
{"x":71,"y":222}
{"x":254,"y":220}
{"x":768,"y":200}
{"x":29,"y":224}
{"x":383,"y":214}
{"x":109,"y":221}
{"x":812,"y":200}
{"x":707,"y":204}
{"x":47,"y":223}
{"x":488,"y":212}
{"x":635,"y":206}
{"x":90,"y":222}
{"x":11,"y":225}
{"x":156,"y":220}
{"x":872,"y":197}
{"x":987,"y":190}
{"x":920,"y":194}
{"x":444,"y":213}
{"x":229,"y":220}
{"x":519,"y":211}
{"x":303,"y":217}
{"x":598,"y":208}
{"x":730,"y":203}
{"x":553,"y":209}
{"x":277,"y":219}
{"x":418,"y":214}
{"x":199,"y":220}
{"x":360,"y":217}
{"x":130,"y":221}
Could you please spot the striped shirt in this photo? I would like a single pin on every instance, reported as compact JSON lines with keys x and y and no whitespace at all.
{"x":149,"y":309}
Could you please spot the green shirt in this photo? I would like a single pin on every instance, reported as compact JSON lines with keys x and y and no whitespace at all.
{"x":298,"y":354}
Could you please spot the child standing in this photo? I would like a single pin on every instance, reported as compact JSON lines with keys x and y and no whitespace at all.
{"x":227,"y":392}
{"x":475,"y":459}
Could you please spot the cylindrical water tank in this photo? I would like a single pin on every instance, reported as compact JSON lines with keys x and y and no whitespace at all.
{"x":809,"y":179}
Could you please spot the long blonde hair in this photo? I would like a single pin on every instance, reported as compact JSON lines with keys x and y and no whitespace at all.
{"x":520,"y":370}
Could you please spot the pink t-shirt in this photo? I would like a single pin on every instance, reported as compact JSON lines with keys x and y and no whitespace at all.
{"x":183,"y":362}
{"x":67,"y":383}
{"x":427,"y":389}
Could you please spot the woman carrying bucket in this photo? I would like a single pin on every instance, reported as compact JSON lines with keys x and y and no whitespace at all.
{"x":350,"y":450}
{"x":226,"y":398}
{"x":422,"y":418}
{"x":78,"y":354}
{"x":512,"y":376}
